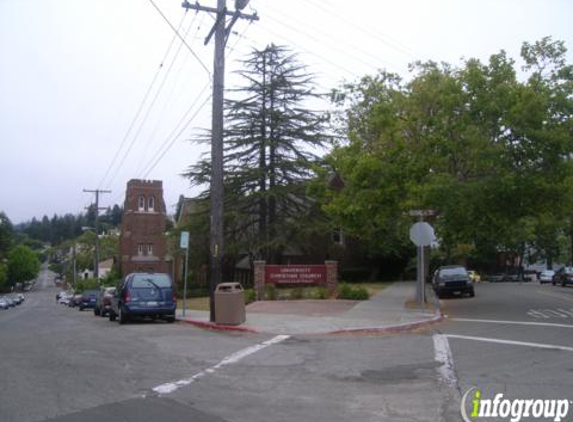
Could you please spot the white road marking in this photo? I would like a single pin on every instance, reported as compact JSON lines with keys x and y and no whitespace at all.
{"x":170,"y":387}
{"x":512,"y":342}
{"x":550,"y":313}
{"x":492,"y":321}
{"x":443,"y":355}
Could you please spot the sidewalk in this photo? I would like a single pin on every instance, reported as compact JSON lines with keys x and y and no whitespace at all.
{"x":384,"y":312}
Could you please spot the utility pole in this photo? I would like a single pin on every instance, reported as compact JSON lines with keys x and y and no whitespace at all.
{"x":221,"y":32}
{"x":96,"y":229}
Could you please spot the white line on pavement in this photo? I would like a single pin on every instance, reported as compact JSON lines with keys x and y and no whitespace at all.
{"x":511,"y":342}
{"x":443,"y":355}
{"x":492,"y":321}
{"x":170,"y":387}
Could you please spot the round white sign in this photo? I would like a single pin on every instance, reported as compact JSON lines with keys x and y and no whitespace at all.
{"x":422,"y":234}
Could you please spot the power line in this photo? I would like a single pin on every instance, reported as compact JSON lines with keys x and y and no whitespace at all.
{"x":140,"y":108}
{"x":178,"y":135}
{"x":182,"y":39}
{"x":170,"y":94}
{"x":348,"y":52}
{"x":170,"y":140}
{"x":395,"y":45}
{"x":167,"y":145}
{"x":145,"y":117}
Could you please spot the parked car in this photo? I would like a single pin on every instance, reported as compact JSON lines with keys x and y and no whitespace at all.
{"x":75,"y":300}
{"x":144,"y":295}
{"x":87,"y":299}
{"x":546,"y":276}
{"x":452,"y":279}
{"x":4,"y":303}
{"x":475,"y":277}
{"x":16,"y":299}
{"x":563,"y":276}
{"x":63,"y":298}
{"x":9,"y":301}
{"x":103,"y":302}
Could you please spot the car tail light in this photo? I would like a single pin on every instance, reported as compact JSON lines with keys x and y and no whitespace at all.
{"x":126,"y":296}
{"x":174,"y":298}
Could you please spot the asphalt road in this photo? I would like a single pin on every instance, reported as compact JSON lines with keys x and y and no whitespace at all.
{"x":59,"y":364}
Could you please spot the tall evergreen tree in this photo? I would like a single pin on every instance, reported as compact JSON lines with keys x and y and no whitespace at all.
{"x":270,"y":135}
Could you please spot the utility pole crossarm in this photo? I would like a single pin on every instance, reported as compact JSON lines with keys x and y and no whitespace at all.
{"x":199,"y":8}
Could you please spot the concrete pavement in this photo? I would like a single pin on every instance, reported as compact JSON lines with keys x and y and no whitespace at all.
{"x":388,"y":311}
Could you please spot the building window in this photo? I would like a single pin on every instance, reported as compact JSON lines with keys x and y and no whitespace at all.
{"x":151,"y":204}
{"x":338,"y":236}
{"x":140,"y":250}
{"x":150,"y":249}
{"x":141,"y":203}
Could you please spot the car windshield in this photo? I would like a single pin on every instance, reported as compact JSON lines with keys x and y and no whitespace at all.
{"x":453,"y":272}
{"x":150,"y":280}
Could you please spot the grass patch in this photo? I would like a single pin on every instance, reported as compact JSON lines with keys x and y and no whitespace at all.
{"x":194,"y":303}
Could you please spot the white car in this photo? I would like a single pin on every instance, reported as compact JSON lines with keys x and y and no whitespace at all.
{"x":546,"y":276}
{"x":64,"y":298}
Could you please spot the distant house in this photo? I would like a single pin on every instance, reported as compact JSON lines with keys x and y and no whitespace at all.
{"x":143,"y":246}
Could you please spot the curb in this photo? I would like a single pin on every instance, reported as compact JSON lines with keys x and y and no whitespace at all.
{"x":218,"y":327}
{"x":390,"y":329}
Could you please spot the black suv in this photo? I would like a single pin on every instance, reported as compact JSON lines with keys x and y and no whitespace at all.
{"x":88,"y":299}
{"x":563,"y":276}
{"x":452,"y":279}
{"x":144,"y":295}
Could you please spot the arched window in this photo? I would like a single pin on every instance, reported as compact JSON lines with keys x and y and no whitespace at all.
{"x":151,"y":203}
{"x":141,"y":203}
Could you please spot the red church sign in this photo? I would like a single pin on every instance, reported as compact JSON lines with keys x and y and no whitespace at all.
{"x":295,"y":274}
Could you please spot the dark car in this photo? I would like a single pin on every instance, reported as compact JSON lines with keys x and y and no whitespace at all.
{"x":144,"y":295}
{"x":452,"y":279}
{"x":75,"y":300}
{"x":563,"y":276}
{"x":103,"y":302}
{"x":88,"y":299}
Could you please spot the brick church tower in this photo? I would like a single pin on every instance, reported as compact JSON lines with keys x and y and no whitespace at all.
{"x":143,"y":246}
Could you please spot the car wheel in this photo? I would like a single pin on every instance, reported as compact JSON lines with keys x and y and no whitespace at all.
{"x":122,"y":317}
{"x":96,"y":311}
{"x":562,"y":284}
{"x":472,"y":293}
{"x":171,"y":319}
{"x":80,"y":308}
{"x":112,"y":316}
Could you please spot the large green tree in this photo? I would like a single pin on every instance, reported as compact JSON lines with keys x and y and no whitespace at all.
{"x":488,"y":151}
{"x":23,"y":265}
{"x":271,"y":136}
{"x":6,"y":235}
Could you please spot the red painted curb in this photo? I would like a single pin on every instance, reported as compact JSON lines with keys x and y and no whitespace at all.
{"x":218,"y":327}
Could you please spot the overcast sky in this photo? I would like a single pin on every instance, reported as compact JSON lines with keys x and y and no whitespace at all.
{"x":74,"y":76}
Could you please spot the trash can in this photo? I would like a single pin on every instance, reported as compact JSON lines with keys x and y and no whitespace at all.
{"x":230,"y":304}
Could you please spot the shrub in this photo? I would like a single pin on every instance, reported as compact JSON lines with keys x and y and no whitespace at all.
{"x":352,"y":292}
{"x":271,"y":292}
{"x":297,"y":293}
{"x":89,"y":284}
{"x":249,"y":296}
{"x":320,"y":293}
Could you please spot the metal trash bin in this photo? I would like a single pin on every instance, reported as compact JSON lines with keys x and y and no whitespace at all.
{"x":230,"y":304}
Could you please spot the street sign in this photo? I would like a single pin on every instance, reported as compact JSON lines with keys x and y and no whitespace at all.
{"x":422,"y":234}
{"x":184,"y":243}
